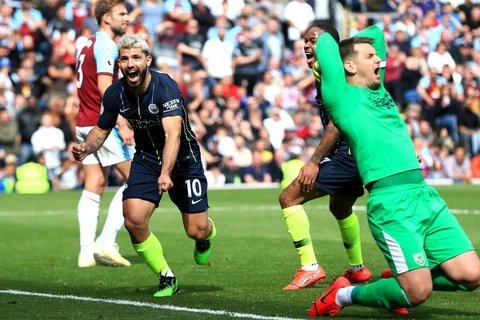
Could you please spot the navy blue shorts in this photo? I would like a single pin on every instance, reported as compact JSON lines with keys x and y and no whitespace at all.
{"x":340,"y":176}
{"x":189,"y":192}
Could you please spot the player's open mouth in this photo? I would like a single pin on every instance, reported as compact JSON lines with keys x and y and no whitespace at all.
{"x":309,"y":57}
{"x":376,"y":71}
{"x":133,"y":76}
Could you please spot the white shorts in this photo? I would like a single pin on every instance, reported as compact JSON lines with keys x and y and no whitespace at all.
{"x":112,"y":151}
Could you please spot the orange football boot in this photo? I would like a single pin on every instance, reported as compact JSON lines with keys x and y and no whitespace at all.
{"x":325,"y":305}
{"x":359,"y":276}
{"x":304,"y":279}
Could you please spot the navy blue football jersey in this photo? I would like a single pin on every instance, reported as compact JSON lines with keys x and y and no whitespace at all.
{"x":145,"y":113}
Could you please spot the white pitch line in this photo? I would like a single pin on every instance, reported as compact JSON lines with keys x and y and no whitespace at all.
{"x":213,"y":209}
{"x":147,"y":305}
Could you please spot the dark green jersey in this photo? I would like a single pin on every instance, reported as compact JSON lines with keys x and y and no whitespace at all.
{"x":368,"y":119}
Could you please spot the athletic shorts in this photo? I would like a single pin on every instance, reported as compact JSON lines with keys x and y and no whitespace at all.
{"x":414,"y":228}
{"x":112,"y":151}
{"x":189,"y":192}
{"x":338,"y":174}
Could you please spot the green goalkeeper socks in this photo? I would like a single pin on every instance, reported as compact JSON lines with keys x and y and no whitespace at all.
{"x":151,"y":253}
{"x":385,"y":293}
{"x":350,"y":231}
{"x":299,"y":229}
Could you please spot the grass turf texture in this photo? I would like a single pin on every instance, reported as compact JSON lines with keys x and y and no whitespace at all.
{"x":253,"y":258}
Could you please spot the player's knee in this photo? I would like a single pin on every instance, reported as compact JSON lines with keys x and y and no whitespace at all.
{"x":471,"y":280}
{"x":286,"y":200}
{"x":134,"y":223}
{"x":340,"y":212}
{"x":197,"y":232}
{"x":419,"y":293}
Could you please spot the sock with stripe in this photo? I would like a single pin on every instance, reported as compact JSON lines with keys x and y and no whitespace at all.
{"x":350,"y":231}
{"x":298,"y":227}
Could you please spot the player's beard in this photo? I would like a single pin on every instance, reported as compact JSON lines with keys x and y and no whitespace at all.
{"x":119,"y":31}
{"x":142,"y":75}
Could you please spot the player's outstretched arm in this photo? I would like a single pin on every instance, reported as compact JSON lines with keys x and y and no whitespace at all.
{"x":334,"y":85}
{"x":95,"y":139}
{"x":172,"y":127}
{"x":308,"y":174}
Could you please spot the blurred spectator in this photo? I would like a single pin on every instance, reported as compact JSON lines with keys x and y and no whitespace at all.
{"x":361,"y":23}
{"x":457,"y":166}
{"x":60,"y":74}
{"x":231,"y":171}
{"x":217,"y":57}
{"x":77,"y":11}
{"x":440,"y":57}
{"x":393,"y":71}
{"x":49,"y":141}
{"x":58,"y":24}
{"x":445,"y":112}
{"x":429,"y":87}
{"x":32,"y":177}
{"x":273,"y":44}
{"x":8,"y":174}
{"x":297,"y":15}
{"x":28,"y":123}
{"x":215,"y":177}
{"x":247,"y":61}
{"x":69,"y":175}
{"x":153,"y":12}
{"x":165,"y":46}
{"x":258,"y":171}
{"x":49,"y":10}
{"x":469,"y":128}
{"x":242,"y":156}
{"x":292,"y":167}
{"x":204,"y":16}
{"x":476,"y":166}
{"x":387,"y":26}
{"x":178,"y":12}
{"x":10,"y":139}
{"x":409,"y":78}
{"x":190,"y":46}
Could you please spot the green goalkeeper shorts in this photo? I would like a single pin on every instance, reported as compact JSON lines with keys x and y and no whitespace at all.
{"x":413,"y":227}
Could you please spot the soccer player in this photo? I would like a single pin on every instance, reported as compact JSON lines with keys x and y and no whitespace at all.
{"x":330,"y":171}
{"x":423,"y":243}
{"x":96,"y":70}
{"x":167,"y":158}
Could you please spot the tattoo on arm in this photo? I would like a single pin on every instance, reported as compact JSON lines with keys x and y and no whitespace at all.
{"x":329,"y":139}
{"x":95,"y":139}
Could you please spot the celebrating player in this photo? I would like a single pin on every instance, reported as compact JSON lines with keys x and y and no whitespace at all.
{"x":330,"y":171}
{"x":96,"y":70}
{"x":167,"y":158}
{"x":409,"y":221}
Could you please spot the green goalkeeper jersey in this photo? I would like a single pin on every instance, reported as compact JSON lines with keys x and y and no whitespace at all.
{"x":368,"y":119}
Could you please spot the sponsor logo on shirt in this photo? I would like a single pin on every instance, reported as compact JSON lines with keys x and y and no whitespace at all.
{"x":382,"y":102}
{"x":171,"y":105}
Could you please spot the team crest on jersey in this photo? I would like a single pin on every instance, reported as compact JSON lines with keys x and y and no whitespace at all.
{"x":152,"y":107}
{"x":419,"y":259}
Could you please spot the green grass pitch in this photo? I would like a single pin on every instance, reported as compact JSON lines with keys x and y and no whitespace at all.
{"x":252,"y":259}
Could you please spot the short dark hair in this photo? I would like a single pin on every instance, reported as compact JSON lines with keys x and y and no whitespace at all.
{"x":103,"y":7}
{"x":347,"y":46}
{"x":328,"y":29}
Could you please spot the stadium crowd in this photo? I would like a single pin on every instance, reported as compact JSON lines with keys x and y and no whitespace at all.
{"x":242,"y":71}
